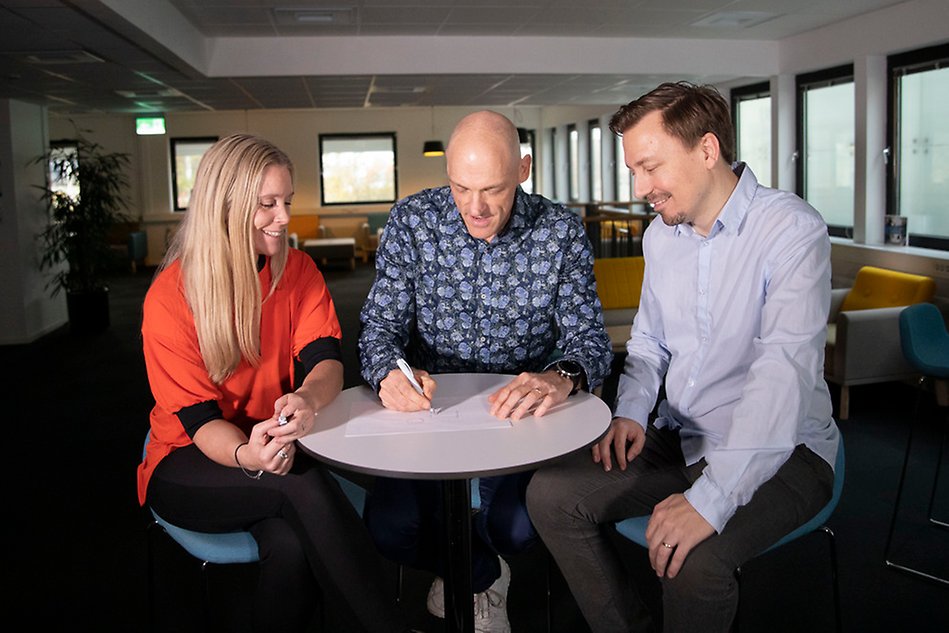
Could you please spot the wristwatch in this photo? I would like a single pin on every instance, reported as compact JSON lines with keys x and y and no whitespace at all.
{"x":571,"y":370}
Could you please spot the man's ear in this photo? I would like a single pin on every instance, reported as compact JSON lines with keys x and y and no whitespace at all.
{"x":710,"y":149}
{"x":524,"y":169}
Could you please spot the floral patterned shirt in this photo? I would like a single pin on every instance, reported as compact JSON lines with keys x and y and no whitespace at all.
{"x":449,"y":303}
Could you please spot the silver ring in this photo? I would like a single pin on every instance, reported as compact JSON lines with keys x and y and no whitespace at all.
{"x":667,"y":546}
{"x":283,"y":455}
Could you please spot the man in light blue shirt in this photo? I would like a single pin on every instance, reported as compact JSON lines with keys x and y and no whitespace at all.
{"x":732,"y":325}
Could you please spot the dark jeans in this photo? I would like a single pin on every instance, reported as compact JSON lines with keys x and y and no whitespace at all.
{"x":404,"y":517}
{"x":308,"y":535}
{"x":574,"y":503}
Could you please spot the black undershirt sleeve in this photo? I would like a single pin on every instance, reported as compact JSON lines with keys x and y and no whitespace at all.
{"x":197,"y":415}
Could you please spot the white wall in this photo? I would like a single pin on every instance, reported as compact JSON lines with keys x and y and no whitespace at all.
{"x":27,"y":310}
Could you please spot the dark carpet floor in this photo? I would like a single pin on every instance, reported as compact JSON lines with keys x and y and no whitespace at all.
{"x":77,"y":415}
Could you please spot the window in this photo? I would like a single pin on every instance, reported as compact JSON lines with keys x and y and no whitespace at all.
{"x":624,"y":177}
{"x":550,"y":163}
{"x":573,"y":163}
{"x":527,"y":147}
{"x":186,"y":153}
{"x":825,"y":168}
{"x":918,"y":179}
{"x":751,"y":113}
{"x":357,"y":168}
{"x":596,"y":161}
{"x":63,"y":165}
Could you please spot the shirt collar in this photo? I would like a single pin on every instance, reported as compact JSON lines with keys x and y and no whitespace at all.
{"x":736,"y":207}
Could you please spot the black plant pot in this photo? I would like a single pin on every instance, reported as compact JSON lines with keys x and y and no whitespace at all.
{"x":88,"y":311}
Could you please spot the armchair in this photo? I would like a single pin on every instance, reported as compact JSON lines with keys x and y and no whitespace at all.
{"x":863,"y":331}
{"x":619,"y":283}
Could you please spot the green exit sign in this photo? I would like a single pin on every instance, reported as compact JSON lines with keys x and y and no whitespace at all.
{"x":150,"y":125}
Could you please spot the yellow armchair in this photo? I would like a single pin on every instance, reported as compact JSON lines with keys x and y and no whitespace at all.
{"x":863,"y":332}
{"x":619,"y":283}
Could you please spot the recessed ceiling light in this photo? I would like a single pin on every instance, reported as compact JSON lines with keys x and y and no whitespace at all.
{"x":61,"y":57}
{"x":735,"y":19}
{"x":149,"y":94}
{"x":297,"y":16}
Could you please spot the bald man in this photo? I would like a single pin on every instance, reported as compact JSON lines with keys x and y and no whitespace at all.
{"x":478,"y":277}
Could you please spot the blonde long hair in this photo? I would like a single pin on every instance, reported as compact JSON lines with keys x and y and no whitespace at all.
{"x":215,"y":245}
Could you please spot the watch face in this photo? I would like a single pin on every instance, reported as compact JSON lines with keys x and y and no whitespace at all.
{"x":570,"y":367}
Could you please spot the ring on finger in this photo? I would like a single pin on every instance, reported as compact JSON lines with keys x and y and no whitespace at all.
{"x":539,"y":392}
{"x":283,"y":455}
{"x":667,"y":546}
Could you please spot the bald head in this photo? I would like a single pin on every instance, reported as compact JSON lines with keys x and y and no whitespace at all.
{"x":484,"y":135}
{"x":484,"y":169}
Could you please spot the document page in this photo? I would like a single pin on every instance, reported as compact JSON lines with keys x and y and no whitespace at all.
{"x":452,"y":414}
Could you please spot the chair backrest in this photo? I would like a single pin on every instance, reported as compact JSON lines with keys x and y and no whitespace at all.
{"x":307,"y":227}
{"x":924,"y":339}
{"x":882,"y":288}
{"x":619,"y":281}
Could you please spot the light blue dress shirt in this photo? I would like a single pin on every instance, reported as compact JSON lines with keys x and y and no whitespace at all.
{"x":736,"y":323}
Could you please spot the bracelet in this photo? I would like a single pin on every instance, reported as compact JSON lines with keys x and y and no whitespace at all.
{"x":239,"y":465}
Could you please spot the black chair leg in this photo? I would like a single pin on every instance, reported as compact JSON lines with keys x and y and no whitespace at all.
{"x":899,"y":496}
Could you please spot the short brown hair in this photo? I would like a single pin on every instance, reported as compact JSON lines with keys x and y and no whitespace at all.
{"x":688,"y":113}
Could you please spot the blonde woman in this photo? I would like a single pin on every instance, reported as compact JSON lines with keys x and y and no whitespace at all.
{"x":230,"y":313}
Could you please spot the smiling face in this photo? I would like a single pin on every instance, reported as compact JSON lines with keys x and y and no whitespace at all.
{"x":675,"y":180}
{"x":273,"y":210}
{"x":484,"y":170}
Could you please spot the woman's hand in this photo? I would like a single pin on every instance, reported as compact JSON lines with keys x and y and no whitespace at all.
{"x":266,"y":452}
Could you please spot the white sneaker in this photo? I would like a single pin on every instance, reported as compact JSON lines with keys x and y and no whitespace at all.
{"x":436,"y":598}
{"x":490,"y":606}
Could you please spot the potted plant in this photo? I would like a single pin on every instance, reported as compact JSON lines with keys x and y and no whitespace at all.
{"x":85,"y":197}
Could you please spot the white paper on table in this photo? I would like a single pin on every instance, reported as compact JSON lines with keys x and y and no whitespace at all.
{"x":455,"y":414}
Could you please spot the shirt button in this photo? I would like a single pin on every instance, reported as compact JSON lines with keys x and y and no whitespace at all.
{"x":691,"y":383}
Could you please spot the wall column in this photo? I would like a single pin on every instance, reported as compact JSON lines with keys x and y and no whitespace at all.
{"x":27,"y":310}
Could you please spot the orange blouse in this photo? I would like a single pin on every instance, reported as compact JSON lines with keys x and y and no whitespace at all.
{"x":299,"y":312}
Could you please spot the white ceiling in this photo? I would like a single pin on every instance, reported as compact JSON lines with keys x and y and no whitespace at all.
{"x":156,"y":55}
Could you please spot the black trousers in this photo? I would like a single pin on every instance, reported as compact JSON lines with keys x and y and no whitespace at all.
{"x":309,"y":536}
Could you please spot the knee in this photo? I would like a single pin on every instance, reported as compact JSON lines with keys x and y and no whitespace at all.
{"x":704,"y":576}
{"x":545,"y":499}
{"x":279,"y":547}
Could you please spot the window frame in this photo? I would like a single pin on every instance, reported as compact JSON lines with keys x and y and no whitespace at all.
{"x":172,"y":144}
{"x":827,"y":77}
{"x":900,"y":65}
{"x":359,"y":135}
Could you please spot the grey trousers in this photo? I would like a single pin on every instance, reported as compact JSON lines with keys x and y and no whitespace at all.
{"x":573,"y":503}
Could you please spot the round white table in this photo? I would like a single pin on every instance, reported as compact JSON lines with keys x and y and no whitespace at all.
{"x":458,"y":443}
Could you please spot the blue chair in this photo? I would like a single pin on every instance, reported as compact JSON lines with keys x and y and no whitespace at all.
{"x":925,"y":344}
{"x":634,"y":529}
{"x":224,"y":548}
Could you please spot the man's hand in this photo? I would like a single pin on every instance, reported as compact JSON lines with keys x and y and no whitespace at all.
{"x":626,"y":437}
{"x":674,"y":529}
{"x":398,"y":394}
{"x":527,"y":391}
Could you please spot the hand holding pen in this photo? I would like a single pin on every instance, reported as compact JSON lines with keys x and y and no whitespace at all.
{"x":405,"y":389}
